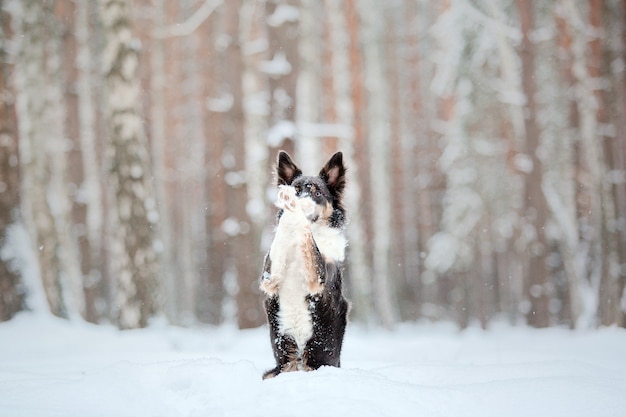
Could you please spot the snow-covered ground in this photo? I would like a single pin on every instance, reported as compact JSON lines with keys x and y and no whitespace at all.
{"x":50,"y":367}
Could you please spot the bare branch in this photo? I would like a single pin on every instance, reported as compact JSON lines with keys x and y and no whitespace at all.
{"x":190,"y":25}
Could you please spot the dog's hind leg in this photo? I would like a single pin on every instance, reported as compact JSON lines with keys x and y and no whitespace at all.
{"x":284,"y":347}
{"x":329,"y":314}
{"x":286,"y":355}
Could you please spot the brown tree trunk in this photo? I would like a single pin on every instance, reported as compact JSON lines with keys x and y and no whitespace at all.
{"x":212,"y":289}
{"x":360,"y":277}
{"x":582,"y":198}
{"x":536,"y":211}
{"x":91,"y":188}
{"x":66,"y":12}
{"x":282,"y":70}
{"x":244,"y":253}
{"x":612,"y":278}
{"x":378,"y":136}
{"x":11,"y":290}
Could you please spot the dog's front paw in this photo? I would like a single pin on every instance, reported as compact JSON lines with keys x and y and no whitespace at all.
{"x":307,"y":206}
{"x":286,"y":198}
{"x":269,"y":284}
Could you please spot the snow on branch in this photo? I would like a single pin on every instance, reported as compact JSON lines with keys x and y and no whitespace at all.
{"x":277,"y":67}
{"x":190,"y":25}
{"x":284,"y":13}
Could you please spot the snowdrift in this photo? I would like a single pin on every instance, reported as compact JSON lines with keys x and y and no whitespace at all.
{"x":50,"y":367}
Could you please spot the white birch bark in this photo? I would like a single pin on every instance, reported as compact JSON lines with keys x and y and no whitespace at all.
{"x":587,"y":107}
{"x":133,"y":241}
{"x":45,"y":201}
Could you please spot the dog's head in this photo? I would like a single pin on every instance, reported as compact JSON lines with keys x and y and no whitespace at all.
{"x":325,"y":189}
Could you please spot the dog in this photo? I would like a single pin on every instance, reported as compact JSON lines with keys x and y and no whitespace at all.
{"x":302,"y":273}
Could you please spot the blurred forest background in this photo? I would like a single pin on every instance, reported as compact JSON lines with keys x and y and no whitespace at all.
{"x":485,"y":142}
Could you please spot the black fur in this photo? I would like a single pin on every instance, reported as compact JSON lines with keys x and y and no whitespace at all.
{"x":328,"y":308}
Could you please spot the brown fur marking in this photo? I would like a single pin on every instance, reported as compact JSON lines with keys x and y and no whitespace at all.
{"x":314,"y":286}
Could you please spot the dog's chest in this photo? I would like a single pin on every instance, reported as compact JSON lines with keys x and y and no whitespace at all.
{"x":294,"y":315}
{"x":289,"y":267}
{"x":330,"y":242}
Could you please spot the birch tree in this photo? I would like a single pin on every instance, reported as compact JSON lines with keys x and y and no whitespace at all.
{"x":556,"y":153}
{"x":485,"y":144}
{"x":450,"y":252}
{"x":43,"y":160}
{"x":133,"y":239}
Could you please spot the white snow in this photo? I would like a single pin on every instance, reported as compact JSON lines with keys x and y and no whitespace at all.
{"x":282,"y":14}
{"x":231,"y":226}
{"x":50,"y":367}
{"x":221,"y":104}
{"x":281,"y":130}
{"x":277,"y":67}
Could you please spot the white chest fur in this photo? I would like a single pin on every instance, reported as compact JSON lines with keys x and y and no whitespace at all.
{"x":288,"y":267}
{"x":330,"y":241}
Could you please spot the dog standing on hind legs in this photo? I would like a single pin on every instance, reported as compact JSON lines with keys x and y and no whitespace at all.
{"x":305,"y":306}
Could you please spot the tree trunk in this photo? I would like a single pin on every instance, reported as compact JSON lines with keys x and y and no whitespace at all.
{"x":379,"y":164}
{"x":91,"y":187}
{"x":282,"y":17}
{"x":340,"y":30}
{"x":309,"y":151}
{"x":619,"y":144}
{"x":244,"y":254}
{"x":158,"y":148}
{"x":211,"y":292}
{"x":536,"y":210}
{"x":43,"y":159}
{"x":11,"y":289}
{"x":133,"y":242}
{"x":612,"y":278}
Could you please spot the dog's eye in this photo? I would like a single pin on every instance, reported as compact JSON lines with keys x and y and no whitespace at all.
{"x":318,"y":194}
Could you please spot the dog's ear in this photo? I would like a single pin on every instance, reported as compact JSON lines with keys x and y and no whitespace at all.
{"x":334,"y":174}
{"x":286,"y":170}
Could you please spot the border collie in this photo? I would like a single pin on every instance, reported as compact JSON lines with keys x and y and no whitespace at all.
{"x":305,"y":306}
